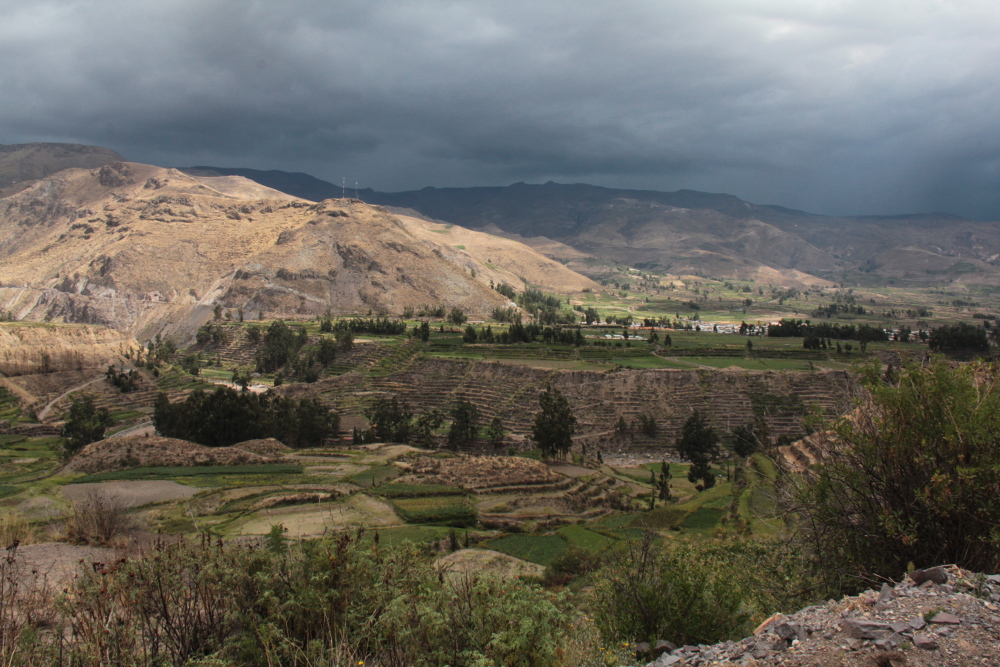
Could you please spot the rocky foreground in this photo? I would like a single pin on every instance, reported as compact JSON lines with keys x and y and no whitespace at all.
{"x":943,"y":616}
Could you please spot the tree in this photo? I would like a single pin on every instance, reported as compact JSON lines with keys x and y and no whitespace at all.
{"x":470,"y":335}
{"x":495,"y":433}
{"x":390,"y":420}
{"x":910,"y":477}
{"x":554,"y":423}
{"x":86,"y":424}
{"x":647,"y":425}
{"x":697,"y":438}
{"x":622,"y":430}
{"x":242,"y":379}
{"x":327,"y":351}
{"x":345,"y":338}
{"x":663,"y":482}
{"x":281,"y":344}
{"x":457,"y":317}
{"x":464,"y":424}
{"x":746,"y":440}
{"x":315,"y":423}
{"x":700,"y":471}
{"x":253,"y":334}
{"x":425,"y":424}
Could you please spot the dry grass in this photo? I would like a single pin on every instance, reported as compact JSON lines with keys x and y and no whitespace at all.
{"x":474,"y":472}
{"x":100,"y":518}
{"x":137,"y":451}
{"x":15,"y":530}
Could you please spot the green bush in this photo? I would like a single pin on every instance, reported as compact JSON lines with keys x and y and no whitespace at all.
{"x":911,"y":476}
{"x":679,"y":593}
{"x":322,"y":603}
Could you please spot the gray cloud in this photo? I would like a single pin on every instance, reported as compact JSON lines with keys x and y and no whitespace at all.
{"x":835,"y":106}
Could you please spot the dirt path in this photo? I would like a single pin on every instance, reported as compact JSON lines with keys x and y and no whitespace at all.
{"x":145,"y":428}
{"x":44,"y":412}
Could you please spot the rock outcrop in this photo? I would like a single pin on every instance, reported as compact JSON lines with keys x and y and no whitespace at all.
{"x":940,"y":617}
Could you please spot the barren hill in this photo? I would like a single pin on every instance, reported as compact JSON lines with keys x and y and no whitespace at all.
{"x":135,"y":246}
{"x":22,"y":163}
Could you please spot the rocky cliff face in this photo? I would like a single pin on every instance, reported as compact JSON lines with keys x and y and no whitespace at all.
{"x":29,"y":349}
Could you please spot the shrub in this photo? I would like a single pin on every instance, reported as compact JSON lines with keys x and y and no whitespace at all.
{"x":321,"y":603}
{"x":14,"y":530}
{"x":677,"y":593}
{"x":911,"y":476}
{"x":99,"y":518}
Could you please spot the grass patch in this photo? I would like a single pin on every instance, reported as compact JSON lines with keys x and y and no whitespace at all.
{"x":703,"y":519}
{"x":447,"y":510}
{"x":582,"y":538}
{"x":403,"y":490}
{"x":8,"y":490}
{"x":374,"y":476}
{"x":155,"y":472}
{"x":416,"y":534}
{"x":662,"y":518}
{"x":541,"y":549}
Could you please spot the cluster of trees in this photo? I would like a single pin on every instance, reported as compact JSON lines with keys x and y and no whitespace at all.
{"x":214,"y":333}
{"x":125,"y":381}
{"x":835,"y":309}
{"x":546,"y":309}
{"x":505,"y":289}
{"x":226,"y":417}
{"x":793,"y":328}
{"x":959,"y":337}
{"x":391,"y":420}
{"x":156,"y":352}
{"x":281,"y":345}
{"x":380,"y":326}
{"x":811,"y":342}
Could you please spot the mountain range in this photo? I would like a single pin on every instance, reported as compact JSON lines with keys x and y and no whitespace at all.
{"x":689,"y":232}
{"x":88,"y":237}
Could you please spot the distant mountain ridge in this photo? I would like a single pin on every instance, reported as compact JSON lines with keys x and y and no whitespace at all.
{"x":701,"y":233}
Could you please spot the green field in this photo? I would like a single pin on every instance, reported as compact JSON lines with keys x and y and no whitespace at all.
{"x":403,"y":490}
{"x":448,"y":510}
{"x":582,"y":538}
{"x":374,"y":476}
{"x":541,"y":549}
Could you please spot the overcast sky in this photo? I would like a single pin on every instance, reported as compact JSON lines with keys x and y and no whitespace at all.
{"x":833,"y":106}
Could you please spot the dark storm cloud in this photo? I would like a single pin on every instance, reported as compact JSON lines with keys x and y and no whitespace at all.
{"x":835,"y":106}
